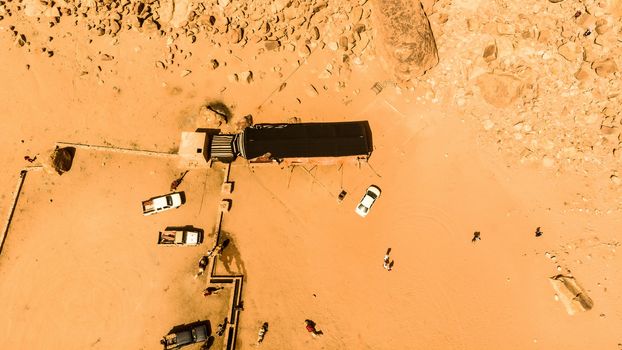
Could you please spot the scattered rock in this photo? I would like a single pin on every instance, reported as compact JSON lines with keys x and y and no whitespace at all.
{"x":333,"y":46}
{"x":499,"y":90}
{"x":185,"y":72}
{"x":106,"y":57}
{"x":608,"y":130}
{"x":115,"y":27}
{"x":214,"y":63}
{"x":343,"y":43}
{"x":246,"y":76}
{"x":21,"y":40}
{"x":315,"y":33}
{"x":356,"y":14}
{"x":311,"y":91}
{"x":304,"y":51}
{"x":359,"y":28}
{"x":490,"y":53}
{"x":243,"y":123}
{"x":615,"y":180}
{"x":569,"y":51}
{"x":150,"y":25}
{"x":505,"y":29}
{"x":582,"y":74}
{"x":212,"y":117}
{"x":160,"y":64}
{"x":605,"y":67}
{"x":602,"y":26}
{"x":325,"y":74}
{"x":272,"y":44}
{"x":236,"y":35}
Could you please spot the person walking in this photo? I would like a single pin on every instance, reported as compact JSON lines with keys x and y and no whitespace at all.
{"x":388,"y":264}
{"x":178,"y":181}
{"x":220,"y":330}
{"x":202,"y":265}
{"x":538,"y":232}
{"x":262,"y":332}
{"x":476,"y":237}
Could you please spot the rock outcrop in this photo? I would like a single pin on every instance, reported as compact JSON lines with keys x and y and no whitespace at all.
{"x":405,"y":38}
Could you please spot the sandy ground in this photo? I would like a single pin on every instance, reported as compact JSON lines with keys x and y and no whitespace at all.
{"x":82,"y":265}
{"x":499,"y":145}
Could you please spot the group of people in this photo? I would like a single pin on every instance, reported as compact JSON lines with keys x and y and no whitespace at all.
{"x":214,"y":252}
{"x":477,"y":236}
{"x":310,"y":326}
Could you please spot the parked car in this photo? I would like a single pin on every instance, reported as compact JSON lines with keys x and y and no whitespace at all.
{"x":370,"y":197}
{"x":182,"y":236}
{"x":162,"y":203}
{"x":186,"y":334}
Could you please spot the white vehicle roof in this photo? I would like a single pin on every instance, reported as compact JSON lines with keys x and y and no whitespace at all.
{"x":367,"y":201}
{"x":373,"y":189}
{"x":176,"y":197}
{"x":192,"y":237}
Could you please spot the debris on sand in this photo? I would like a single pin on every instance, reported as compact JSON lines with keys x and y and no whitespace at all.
{"x":311,"y":91}
{"x":571,"y":294}
{"x":212,"y":118}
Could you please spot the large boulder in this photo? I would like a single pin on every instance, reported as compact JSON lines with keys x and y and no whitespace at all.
{"x":62,"y":159}
{"x":499,"y":90}
{"x":211,"y":117}
{"x":405,"y":39}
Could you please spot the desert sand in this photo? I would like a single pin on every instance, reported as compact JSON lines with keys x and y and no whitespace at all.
{"x":511,"y":124}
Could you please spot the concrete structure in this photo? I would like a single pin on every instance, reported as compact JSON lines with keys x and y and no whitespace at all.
{"x":193,"y":149}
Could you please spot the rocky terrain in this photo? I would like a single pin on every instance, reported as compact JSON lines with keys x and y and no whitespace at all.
{"x":547,"y":75}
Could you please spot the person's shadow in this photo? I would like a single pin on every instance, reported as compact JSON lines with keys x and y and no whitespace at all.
{"x":208,"y":343}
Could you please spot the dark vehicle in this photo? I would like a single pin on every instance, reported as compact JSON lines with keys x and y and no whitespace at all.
{"x":186,"y":334}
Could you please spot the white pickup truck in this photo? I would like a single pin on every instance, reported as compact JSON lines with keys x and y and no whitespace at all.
{"x":181,"y":237}
{"x":162,"y":203}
